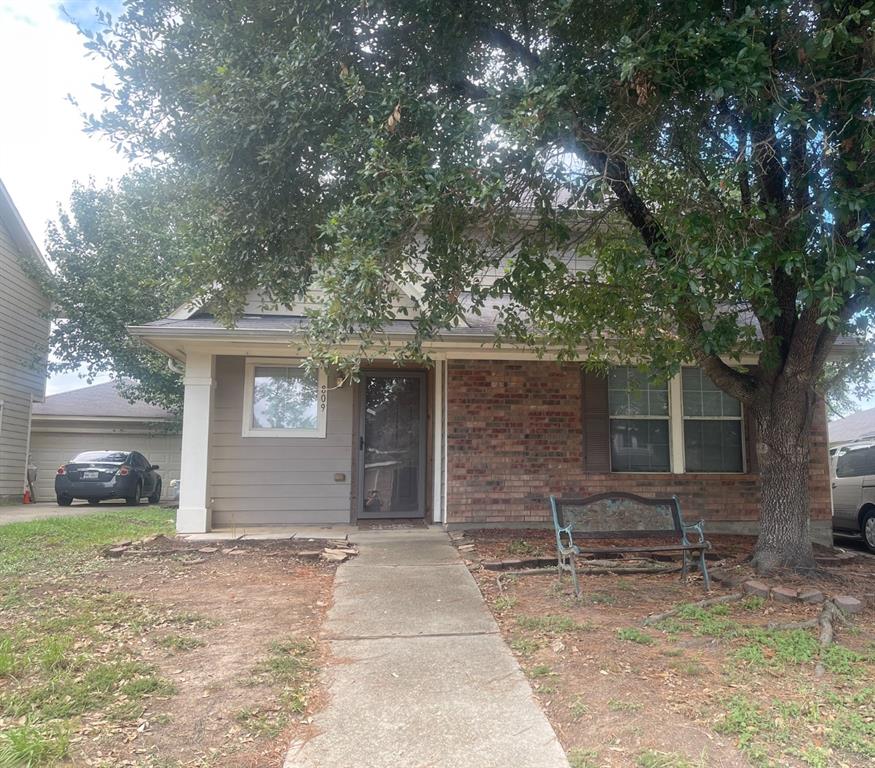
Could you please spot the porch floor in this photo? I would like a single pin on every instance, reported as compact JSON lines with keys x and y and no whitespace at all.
{"x":282,"y":532}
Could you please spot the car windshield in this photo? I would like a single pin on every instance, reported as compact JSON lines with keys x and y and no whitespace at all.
{"x":109,"y":457}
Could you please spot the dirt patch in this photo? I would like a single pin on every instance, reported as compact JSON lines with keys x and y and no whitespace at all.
{"x":237,"y":613}
{"x":712,"y":687}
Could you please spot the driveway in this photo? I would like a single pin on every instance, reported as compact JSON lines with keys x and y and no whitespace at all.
{"x":21,"y":513}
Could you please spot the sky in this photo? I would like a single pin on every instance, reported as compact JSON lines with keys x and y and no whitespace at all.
{"x":43,"y":148}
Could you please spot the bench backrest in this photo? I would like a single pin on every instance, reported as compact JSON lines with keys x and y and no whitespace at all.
{"x":619,"y":515}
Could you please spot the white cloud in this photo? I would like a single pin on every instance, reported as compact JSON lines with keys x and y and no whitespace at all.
{"x":43,"y":148}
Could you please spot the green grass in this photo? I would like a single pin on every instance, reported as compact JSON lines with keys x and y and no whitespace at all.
{"x":619,"y":705}
{"x":552,"y":625}
{"x":763,"y":729}
{"x":633,"y":635}
{"x":578,"y":708}
{"x":541,"y":670}
{"x":652,"y":759}
{"x":583,"y":758}
{"x":42,"y":545}
{"x":290,"y":665}
{"x":67,"y":651}
{"x":27,"y":745}
{"x":180,"y":642}
{"x":778,"y":648}
{"x":753,"y":603}
{"x":524,"y":646}
{"x":504,"y":603}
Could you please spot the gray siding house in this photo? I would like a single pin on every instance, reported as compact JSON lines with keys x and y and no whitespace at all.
{"x":24,"y":334}
{"x":480,"y":437}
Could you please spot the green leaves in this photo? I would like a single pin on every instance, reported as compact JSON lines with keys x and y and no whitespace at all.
{"x":639,"y":181}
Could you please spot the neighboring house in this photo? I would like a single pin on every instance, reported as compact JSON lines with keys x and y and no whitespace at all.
{"x":481,"y":438}
{"x":24,"y":340}
{"x":857,"y":426}
{"x":99,"y":418}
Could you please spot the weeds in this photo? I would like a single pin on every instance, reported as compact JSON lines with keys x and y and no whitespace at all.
{"x":524,"y":646}
{"x":633,"y":635}
{"x":618,"y":705}
{"x":578,"y":709}
{"x":504,"y":603}
{"x":180,"y":642}
{"x":582,"y":758}
{"x":522,"y":547}
{"x":552,"y":625}
{"x":653,"y":759}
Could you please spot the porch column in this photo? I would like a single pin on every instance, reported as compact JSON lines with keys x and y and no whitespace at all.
{"x":193,"y":515}
{"x":438,"y":476}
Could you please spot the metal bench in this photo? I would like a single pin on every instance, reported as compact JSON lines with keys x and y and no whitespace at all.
{"x":629,"y":517}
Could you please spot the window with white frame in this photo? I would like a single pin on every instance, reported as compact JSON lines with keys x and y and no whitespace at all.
{"x":639,"y":416}
{"x":713,"y":433}
{"x":283,"y":400}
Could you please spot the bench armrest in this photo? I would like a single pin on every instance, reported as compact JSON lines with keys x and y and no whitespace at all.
{"x":699,"y":528}
{"x":565,"y":541}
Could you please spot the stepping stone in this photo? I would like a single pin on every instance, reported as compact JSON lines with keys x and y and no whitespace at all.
{"x":811,"y":596}
{"x":334,"y":556}
{"x":756,"y":588}
{"x":848,"y":604}
{"x":784,"y":595}
{"x":208,"y":550}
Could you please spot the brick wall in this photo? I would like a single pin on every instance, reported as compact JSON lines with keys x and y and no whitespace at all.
{"x":514,"y":436}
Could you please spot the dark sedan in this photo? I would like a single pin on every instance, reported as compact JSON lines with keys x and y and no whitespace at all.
{"x":99,"y":475}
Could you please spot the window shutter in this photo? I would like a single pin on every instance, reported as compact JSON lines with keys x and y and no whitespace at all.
{"x":750,"y":436}
{"x":750,"y":448}
{"x":596,"y":423}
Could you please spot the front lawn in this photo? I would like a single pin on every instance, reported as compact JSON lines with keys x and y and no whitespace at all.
{"x":167,"y":656}
{"x":707,"y":687}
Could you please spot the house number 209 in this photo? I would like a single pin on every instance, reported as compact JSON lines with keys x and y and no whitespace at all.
{"x":323,"y":397}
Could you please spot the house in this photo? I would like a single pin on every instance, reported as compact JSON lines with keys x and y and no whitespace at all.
{"x":479,"y":438}
{"x":857,"y":426}
{"x":24,"y":341}
{"x":99,"y":418}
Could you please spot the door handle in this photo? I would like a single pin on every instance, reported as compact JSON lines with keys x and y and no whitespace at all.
{"x":835,"y":485}
{"x":362,"y":443}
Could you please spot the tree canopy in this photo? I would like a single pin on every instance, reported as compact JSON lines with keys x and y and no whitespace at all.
{"x":121,"y":254}
{"x":709,"y":161}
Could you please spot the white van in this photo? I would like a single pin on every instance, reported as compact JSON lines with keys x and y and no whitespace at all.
{"x":853,"y":491}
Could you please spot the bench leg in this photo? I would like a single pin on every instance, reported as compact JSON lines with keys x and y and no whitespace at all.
{"x":685,"y":568}
{"x":703,"y":567}
{"x":574,"y":580}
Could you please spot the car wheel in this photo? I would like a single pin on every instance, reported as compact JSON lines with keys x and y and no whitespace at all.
{"x":64,"y":501}
{"x":132,"y":501}
{"x":93,"y":502}
{"x":868,"y":530}
{"x":155,"y":496}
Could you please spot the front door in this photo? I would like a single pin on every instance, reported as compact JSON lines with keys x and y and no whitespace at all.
{"x":392,"y":445}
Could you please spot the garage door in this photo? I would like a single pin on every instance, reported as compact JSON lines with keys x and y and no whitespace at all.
{"x":49,"y":450}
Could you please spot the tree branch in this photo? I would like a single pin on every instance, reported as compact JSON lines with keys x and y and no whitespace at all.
{"x":501,"y":39}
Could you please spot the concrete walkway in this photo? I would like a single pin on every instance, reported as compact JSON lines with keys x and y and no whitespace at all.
{"x":420,"y":675}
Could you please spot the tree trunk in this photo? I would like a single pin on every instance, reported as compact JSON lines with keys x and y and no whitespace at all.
{"x":783,"y":414}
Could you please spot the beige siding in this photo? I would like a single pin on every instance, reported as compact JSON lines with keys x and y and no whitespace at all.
{"x":56,"y":442}
{"x":270,"y":480}
{"x":24,"y":330}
